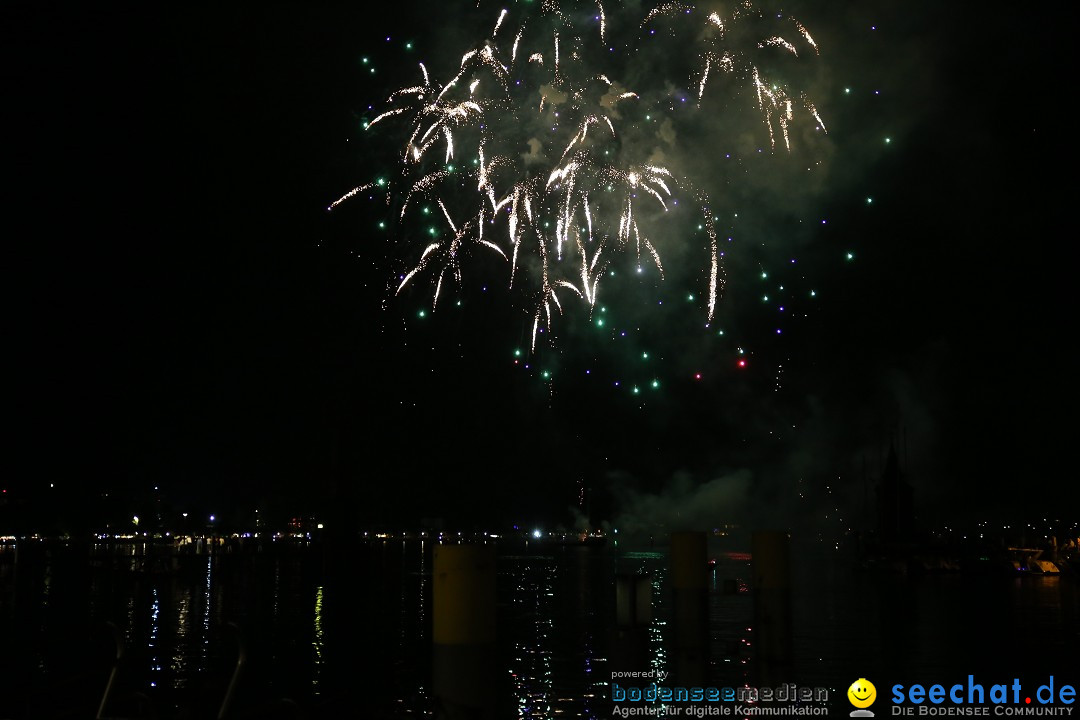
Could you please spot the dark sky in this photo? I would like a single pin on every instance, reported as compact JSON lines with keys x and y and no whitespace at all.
{"x":186,"y":314}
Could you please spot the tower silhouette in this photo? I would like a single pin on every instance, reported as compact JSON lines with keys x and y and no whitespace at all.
{"x":895,"y":496}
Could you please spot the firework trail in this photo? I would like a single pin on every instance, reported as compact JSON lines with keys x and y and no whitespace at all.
{"x":522,"y":149}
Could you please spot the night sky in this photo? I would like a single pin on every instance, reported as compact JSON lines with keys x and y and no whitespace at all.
{"x":188,"y":315}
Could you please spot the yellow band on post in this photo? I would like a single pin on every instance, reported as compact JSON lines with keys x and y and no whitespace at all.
{"x":689,"y":561}
{"x":463,"y":594}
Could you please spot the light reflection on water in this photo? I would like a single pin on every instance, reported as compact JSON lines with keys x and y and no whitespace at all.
{"x":181,"y":626}
{"x":317,"y":642}
{"x":361,"y":637}
{"x":152,"y":642}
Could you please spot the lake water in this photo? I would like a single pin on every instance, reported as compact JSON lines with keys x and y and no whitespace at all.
{"x":352,"y":638}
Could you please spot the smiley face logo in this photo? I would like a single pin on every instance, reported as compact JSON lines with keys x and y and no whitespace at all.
{"x":862,"y":694}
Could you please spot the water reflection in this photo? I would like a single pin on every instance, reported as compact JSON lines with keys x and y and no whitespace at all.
{"x":532,"y":580}
{"x":317,"y":642}
{"x":657,"y":643}
{"x":322,"y":639}
{"x":204,"y":641}
{"x":44,"y":598}
{"x":179,"y":665}
{"x":152,"y":642}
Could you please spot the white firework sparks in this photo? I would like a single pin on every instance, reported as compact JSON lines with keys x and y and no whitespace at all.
{"x":567,"y":198}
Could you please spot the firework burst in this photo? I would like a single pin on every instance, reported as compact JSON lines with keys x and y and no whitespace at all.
{"x":523,"y":150}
